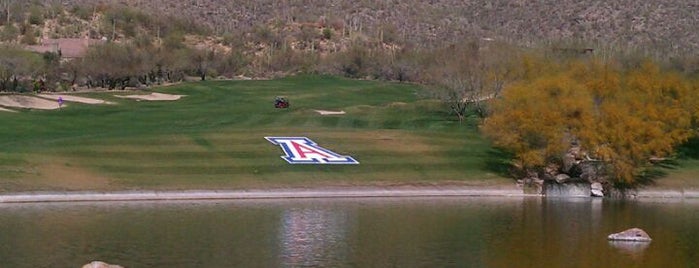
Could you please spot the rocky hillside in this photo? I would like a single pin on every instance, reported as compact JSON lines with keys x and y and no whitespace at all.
{"x":665,"y":26}
{"x":404,"y":40}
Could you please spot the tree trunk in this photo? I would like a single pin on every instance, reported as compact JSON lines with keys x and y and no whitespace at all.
{"x":7,"y":8}
{"x":15,"y":83}
{"x":202,"y":74}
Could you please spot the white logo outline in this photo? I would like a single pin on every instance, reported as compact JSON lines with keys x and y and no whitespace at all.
{"x":302,"y":150}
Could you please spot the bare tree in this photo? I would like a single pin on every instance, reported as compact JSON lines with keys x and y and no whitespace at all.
{"x":465,"y":76}
{"x":201,"y":61}
{"x":7,"y":6}
{"x":17,"y":66}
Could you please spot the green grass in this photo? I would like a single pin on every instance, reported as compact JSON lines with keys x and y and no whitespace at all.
{"x":684,"y":174}
{"x":214,"y":139}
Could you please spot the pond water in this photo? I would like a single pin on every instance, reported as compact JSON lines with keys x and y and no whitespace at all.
{"x":381,"y":232}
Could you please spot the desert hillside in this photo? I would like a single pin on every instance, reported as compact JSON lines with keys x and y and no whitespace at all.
{"x":428,"y":42}
{"x":665,"y":25}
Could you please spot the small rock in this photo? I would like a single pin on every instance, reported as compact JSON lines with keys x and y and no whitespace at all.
{"x":596,"y":189}
{"x":99,"y":264}
{"x":562,"y":178}
{"x":633,"y":234}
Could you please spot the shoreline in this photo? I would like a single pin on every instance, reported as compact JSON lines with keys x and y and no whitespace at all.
{"x":312,"y":193}
{"x":308,"y":193}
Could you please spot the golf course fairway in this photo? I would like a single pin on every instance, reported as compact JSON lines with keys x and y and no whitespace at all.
{"x":213,"y":137}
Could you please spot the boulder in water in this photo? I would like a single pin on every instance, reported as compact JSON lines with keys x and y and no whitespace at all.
{"x":633,"y":234}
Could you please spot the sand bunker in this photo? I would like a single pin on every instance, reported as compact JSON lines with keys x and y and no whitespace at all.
{"x":74,"y":99}
{"x":153,"y":97}
{"x":323,"y":112}
{"x":20,"y":101}
{"x":50,"y":101}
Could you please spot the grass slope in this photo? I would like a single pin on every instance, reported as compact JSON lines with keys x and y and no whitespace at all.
{"x":214,"y":139}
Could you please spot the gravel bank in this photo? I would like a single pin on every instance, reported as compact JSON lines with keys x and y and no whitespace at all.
{"x":257,"y":194}
{"x":352,"y":192}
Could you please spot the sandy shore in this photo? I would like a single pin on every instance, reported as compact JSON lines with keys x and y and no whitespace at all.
{"x":352,"y":192}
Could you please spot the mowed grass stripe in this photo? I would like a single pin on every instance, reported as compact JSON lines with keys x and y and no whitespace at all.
{"x":144,"y":157}
{"x":173,"y":148}
{"x":254,"y":179}
{"x":166,"y":141}
{"x":299,"y":173}
{"x":165,"y":165}
{"x":377,"y":151}
{"x":268,"y":160}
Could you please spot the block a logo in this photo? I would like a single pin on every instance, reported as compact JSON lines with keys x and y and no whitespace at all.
{"x":302,"y":150}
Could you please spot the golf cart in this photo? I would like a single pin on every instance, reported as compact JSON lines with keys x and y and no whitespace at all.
{"x":281,"y":102}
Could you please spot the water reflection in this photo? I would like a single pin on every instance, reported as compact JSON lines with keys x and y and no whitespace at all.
{"x":313,"y":237}
{"x":631,"y":248}
{"x":429,"y":232}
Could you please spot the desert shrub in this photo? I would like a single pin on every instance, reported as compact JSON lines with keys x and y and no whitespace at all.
{"x":36,"y":15}
{"x":174,"y":40}
{"x":29,"y":37}
{"x":327,"y":33}
{"x":83,"y":12}
{"x":231,"y":63}
{"x":9,"y":33}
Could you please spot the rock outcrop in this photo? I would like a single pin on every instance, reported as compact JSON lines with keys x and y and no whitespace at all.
{"x":562,"y":178}
{"x":596,"y":189}
{"x":570,"y":189}
{"x":576,"y":176}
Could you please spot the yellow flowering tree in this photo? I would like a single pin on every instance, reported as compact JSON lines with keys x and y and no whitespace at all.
{"x":621,"y":118}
